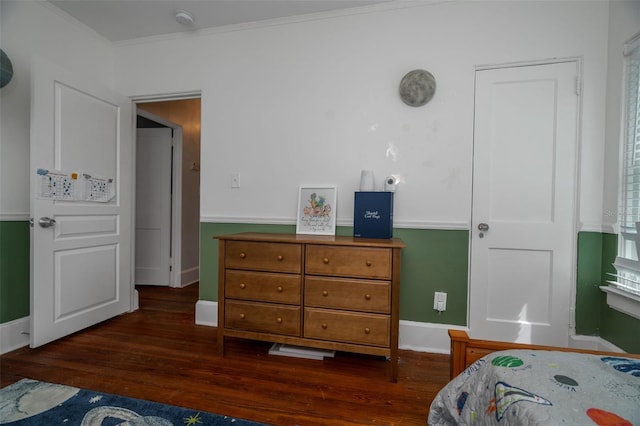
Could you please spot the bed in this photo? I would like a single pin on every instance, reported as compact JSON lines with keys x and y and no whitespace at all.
{"x":514,"y":384}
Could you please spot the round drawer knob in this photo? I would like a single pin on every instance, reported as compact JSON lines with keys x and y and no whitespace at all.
{"x":243,"y":255}
{"x":280,"y":289}
{"x":325,"y":260}
{"x":325,"y":293}
{"x":367,"y":330}
{"x":324,"y":325}
{"x":242,"y":316}
{"x":368,"y":263}
{"x":279,"y":320}
{"x":243,"y":285}
{"x":280,"y":257}
{"x":367,"y":296}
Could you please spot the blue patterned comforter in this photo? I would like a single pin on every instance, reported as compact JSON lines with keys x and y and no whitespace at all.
{"x":524,"y":387}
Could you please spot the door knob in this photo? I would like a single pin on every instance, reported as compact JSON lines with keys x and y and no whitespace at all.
{"x":483,"y":227}
{"x":46,"y":222}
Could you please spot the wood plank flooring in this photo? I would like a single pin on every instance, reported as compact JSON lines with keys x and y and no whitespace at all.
{"x":159,"y":354}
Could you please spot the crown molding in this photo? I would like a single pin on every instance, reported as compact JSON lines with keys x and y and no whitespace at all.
{"x":318,"y":16}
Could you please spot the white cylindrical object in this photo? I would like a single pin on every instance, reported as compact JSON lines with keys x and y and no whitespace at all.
{"x":390,"y":183}
{"x":367,"y":182}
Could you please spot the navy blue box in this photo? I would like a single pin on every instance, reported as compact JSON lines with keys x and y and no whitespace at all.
{"x":373,"y":215}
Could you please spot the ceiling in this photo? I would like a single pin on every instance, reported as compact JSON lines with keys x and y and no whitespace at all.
{"x":119,"y":20}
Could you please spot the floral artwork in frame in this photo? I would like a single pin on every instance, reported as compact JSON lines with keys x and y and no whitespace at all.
{"x":317,"y":210}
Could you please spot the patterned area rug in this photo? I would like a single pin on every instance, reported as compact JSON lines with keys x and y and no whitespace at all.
{"x":30,"y":402}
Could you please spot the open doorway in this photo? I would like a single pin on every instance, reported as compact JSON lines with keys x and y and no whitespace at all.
{"x":185,"y":183}
{"x":158,"y":221}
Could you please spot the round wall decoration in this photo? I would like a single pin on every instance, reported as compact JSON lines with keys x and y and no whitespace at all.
{"x":6,"y":69}
{"x":417,"y":87}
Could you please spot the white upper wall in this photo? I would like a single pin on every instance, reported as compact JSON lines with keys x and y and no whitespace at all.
{"x":314,"y":102}
{"x":31,"y":29}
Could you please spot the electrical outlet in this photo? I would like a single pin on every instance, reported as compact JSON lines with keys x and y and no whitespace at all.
{"x":440,"y":301}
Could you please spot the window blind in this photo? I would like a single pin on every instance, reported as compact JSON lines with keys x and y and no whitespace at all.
{"x":631,"y":155}
{"x":627,"y":263}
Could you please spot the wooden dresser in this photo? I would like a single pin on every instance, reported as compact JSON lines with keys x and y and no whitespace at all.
{"x":328,"y":292}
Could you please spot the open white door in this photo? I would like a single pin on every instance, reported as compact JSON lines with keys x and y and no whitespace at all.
{"x":153,"y":206}
{"x":81,"y":271}
{"x":523,"y":220}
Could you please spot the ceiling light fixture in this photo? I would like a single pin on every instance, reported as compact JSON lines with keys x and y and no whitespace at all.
{"x":183,"y":17}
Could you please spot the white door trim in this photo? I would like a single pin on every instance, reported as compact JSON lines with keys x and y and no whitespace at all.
{"x":167,"y":97}
{"x":575,"y":59}
{"x":177,"y":267}
{"x":176,"y":199}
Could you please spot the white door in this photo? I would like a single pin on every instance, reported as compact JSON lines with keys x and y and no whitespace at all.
{"x":80,"y":265}
{"x":524,"y":196}
{"x":153,"y":206}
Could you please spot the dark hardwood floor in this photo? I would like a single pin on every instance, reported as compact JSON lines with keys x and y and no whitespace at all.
{"x":159,"y":354}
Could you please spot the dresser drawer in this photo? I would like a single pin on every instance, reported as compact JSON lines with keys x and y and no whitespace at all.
{"x":258,"y":256}
{"x":262,"y":317}
{"x":347,"y":327}
{"x":343,"y":293}
{"x":358,"y":262}
{"x":262,"y":286}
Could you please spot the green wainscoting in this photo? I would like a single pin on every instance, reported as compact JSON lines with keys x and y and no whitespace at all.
{"x":596,"y":254}
{"x":434,"y":260}
{"x":589,"y":277}
{"x":14,"y":270}
{"x":620,"y":329}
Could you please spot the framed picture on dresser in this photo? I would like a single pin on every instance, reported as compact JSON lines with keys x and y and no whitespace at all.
{"x":316,"y":210}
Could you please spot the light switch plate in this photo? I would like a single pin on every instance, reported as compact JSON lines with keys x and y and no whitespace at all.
{"x":235,"y":180}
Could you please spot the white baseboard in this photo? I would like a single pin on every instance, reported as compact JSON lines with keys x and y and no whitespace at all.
{"x":426,"y":336}
{"x":189,"y":276}
{"x":14,"y":334}
{"x":430,"y":337}
{"x":207,"y":313}
{"x":135,"y":303}
{"x":592,"y":343}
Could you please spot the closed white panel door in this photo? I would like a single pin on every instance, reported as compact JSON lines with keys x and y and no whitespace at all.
{"x":81,"y":254}
{"x":524,"y":183}
{"x":153,"y":206}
